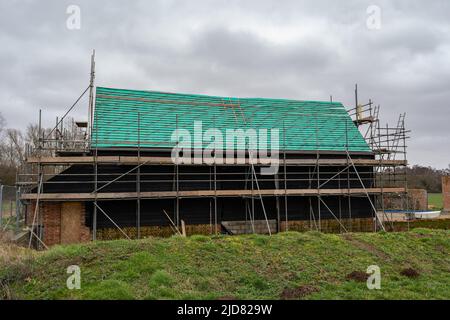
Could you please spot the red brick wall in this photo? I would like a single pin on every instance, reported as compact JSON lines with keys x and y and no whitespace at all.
{"x":446,"y":193}
{"x":30,"y":213}
{"x":331,"y":225}
{"x":85,"y":233}
{"x":417,"y":200}
{"x":50,"y":218}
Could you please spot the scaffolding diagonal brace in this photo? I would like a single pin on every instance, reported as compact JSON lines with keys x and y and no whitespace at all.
{"x":367,"y":194}
{"x":112,"y":221}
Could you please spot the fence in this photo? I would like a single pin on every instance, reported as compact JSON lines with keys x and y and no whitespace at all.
{"x":10,"y":207}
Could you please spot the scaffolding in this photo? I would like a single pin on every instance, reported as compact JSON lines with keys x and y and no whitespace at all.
{"x":355,"y":177}
{"x":388,"y":145}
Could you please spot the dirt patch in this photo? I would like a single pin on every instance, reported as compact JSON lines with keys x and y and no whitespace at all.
{"x":299,"y":292}
{"x":366,"y":247}
{"x":421,"y":236}
{"x":410,"y":273}
{"x":357,"y":276}
{"x":441,"y":249}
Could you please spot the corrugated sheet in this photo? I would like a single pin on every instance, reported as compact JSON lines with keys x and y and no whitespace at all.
{"x":308,"y":125}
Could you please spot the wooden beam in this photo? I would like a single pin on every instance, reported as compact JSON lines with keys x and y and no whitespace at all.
{"x":205,"y":193}
{"x":369,"y":119}
{"x":129,"y":160}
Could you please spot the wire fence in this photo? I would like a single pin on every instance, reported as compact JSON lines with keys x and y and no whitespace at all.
{"x":10,"y":208}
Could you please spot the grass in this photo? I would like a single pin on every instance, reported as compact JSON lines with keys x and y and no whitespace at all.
{"x":435,"y":201}
{"x":307,"y":265}
{"x":8,"y":223}
{"x":8,"y":215}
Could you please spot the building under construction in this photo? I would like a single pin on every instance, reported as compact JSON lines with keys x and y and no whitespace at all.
{"x":117,"y":176}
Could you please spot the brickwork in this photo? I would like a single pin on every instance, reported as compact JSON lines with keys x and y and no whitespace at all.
{"x":417,"y":200}
{"x":29,"y":213}
{"x":153,"y":231}
{"x":331,"y":225}
{"x":446,"y":194}
{"x":50,"y":219}
{"x":246,"y":227}
{"x":85,"y":232}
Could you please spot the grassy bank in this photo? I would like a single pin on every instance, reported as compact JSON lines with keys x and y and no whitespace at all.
{"x":414,"y":265}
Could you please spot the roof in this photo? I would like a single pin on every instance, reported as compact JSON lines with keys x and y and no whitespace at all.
{"x":303,"y":125}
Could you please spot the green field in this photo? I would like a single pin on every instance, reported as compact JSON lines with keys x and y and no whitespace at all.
{"x":290,"y":265}
{"x":435,"y":201}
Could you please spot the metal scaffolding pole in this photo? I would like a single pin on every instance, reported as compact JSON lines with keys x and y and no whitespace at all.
{"x":138,"y":181}
{"x":1,"y":205}
{"x":112,"y":221}
{"x":177,"y":204}
{"x":332,"y":213}
{"x":340,"y":203}
{"x":277,"y":201}
{"x":367,"y":194}
{"x":215,"y":195}
{"x":285,"y":179}
{"x":94,"y":214}
{"x":210,"y":203}
{"x":215,"y":181}
{"x":405,"y":174}
{"x":318,"y":173}
{"x":259,"y":192}
{"x":36,"y":215}
{"x":18,"y":207}
{"x":253,"y":201}
{"x":248,"y":210}
{"x":91,"y":95}
{"x":348,"y":177}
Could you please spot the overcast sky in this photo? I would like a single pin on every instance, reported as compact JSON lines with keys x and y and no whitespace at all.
{"x":286,"y":49}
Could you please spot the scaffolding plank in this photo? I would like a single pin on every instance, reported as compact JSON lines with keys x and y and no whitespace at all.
{"x":207,"y":193}
{"x":129,"y":160}
{"x":365,"y":120}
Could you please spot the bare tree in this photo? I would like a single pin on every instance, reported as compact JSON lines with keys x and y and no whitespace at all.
{"x":32,"y":135}
{"x":2,"y":126}
{"x":13,"y":147}
{"x":2,"y":123}
{"x":11,"y":152}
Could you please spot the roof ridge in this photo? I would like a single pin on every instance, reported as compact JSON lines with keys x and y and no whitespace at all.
{"x":337,"y":103}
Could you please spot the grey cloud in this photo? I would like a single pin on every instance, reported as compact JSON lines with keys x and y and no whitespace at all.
{"x":245,"y":51}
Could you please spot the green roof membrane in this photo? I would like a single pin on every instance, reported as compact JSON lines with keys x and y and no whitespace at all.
{"x":308,"y":125}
